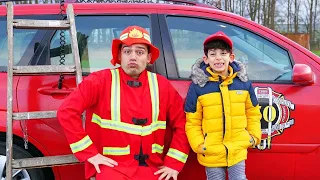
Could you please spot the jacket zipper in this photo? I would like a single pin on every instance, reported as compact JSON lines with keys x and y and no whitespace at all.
{"x":223,"y":116}
{"x":204,"y":144}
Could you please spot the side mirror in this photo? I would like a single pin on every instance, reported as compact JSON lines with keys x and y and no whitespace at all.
{"x":302,"y":75}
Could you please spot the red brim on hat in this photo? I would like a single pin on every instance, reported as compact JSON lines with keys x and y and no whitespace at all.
{"x":116,"y":45}
{"x":215,"y":37}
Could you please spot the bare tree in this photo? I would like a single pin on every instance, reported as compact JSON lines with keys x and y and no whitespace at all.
{"x":308,"y":18}
{"x":272,"y":13}
{"x":259,"y":14}
{"x":296,"y":15}
{"x":226,"y":5}
{"x":233,"y":6}
{"x":265,"y":13}
{"x":315,"y":19}
{"x":289,"y":16}
{"x":268,"y":4}
{"x":310,"y":2}
{"x":253,"y":8}
{"x":218,"y":4}
{"x":242,"y":7}
{"x":268,"y":13}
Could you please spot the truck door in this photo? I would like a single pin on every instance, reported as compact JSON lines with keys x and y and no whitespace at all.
{"x":289,"y":123}
{"x":40,"y":93}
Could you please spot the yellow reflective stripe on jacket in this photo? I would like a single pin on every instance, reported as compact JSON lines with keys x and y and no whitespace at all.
{"x":116,"y":150}
{"x":115,"y":95}
{"x":128,"y":128}
{"x":81,"y":145}
{"x":154,"y":93}
{"x":178,"y":155}
{"x":156,"y":148}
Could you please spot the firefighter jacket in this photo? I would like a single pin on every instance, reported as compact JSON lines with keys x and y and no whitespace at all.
{"x":222,"y":115}
{"x":123,"y":117}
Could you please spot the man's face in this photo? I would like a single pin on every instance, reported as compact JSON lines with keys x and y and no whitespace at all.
{"x":219,"y":60}
{"x":134,"y":59}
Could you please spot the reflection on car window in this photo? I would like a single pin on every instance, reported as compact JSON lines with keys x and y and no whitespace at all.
{"x":264,"y":60}
{"x":95,"y":40}
{"x":21,"y":39}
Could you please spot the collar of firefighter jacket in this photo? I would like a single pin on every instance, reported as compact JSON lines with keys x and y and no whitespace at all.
{"x":143,"y":77}
{"x":115,"y":122}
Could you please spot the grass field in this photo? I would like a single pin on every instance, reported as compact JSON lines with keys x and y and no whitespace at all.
{"x":317,"y":52}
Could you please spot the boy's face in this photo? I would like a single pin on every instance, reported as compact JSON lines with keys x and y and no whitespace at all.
{"x":219,"y":60}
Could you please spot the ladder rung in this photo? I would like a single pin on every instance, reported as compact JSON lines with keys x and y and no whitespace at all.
{"x":47,"y":161}
{"x":40,"y":24}
{"x":34,"y":115}
{"x":53,"y":69}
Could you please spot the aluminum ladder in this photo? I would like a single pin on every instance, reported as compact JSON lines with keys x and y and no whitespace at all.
{"x":68,"y":24}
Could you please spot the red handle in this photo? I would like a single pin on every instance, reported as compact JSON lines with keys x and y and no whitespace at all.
{"x":51,"y":91}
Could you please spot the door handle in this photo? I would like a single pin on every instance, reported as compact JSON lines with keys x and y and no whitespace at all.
{"x":54,"y":91}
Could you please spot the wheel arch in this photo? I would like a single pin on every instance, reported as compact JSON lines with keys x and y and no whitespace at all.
{"x":32,"y":150}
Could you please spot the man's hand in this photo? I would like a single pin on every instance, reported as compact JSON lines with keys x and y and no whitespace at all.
{"x":100,"y":159}
{"x":167,"y":172}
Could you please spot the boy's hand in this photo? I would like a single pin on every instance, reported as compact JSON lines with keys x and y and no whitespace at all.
{"x":252,"y":141}
{"x":100,"y":159}
{"x":201,"y":149}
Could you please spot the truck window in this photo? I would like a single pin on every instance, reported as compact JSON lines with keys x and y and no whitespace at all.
{"x":265,"y":61}
{"x":94,"y":40}
{"x":22,"y":40}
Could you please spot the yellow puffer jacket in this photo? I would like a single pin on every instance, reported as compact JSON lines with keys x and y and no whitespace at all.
{"x":223,"y":116}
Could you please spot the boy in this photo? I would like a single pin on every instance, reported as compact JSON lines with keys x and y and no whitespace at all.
{"x":223,"y":115}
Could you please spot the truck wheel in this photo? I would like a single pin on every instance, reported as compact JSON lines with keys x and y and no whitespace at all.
{"x":20,"y":174}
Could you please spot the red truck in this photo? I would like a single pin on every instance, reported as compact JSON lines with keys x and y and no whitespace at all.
{"x":285,"y":76}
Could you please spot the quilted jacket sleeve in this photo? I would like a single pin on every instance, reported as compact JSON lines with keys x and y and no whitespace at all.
{"x":253,"y":116}
{"x":193,"y":110}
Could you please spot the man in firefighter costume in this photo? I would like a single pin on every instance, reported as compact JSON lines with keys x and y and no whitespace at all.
{"x":127,"y":111}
